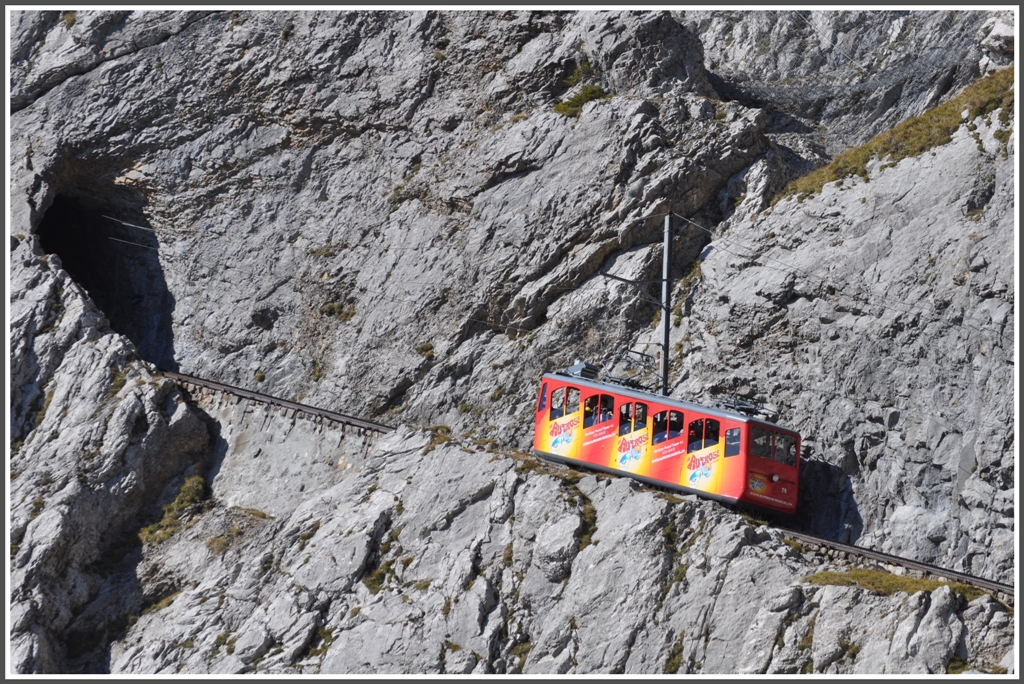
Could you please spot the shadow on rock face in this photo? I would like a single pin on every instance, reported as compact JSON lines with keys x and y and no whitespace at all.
{"x":827,"y":506}
{"x":117,"y":264}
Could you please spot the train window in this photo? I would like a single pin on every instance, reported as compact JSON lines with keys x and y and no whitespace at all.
{"x":557,"y":403}
{"x":732,"y":442}
{"x":572,"y":401}
{"x":785,"y":449}
{"x":590,"y":411}
{"x":542,"y":403}
{"x":702,"y":434}
{"x":625,"y":419}
{"x":660,"y":427}
{"x":695,"y":435}
{"x":675,"y":424}
{"x":761,"y":442}
{"x":667,"y":425}
{"x":712,"y":429}
{"x":598,"y":409}
{"x":639,"y":416}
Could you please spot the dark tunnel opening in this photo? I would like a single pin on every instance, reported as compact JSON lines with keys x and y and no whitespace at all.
{"x":117,"y":264}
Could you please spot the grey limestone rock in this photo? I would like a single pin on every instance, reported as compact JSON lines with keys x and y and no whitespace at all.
{"x":384,"y":214}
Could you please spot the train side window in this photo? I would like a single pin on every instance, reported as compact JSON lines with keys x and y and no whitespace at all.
{"x":712,"y":429}
{"x":607,"y":408}
{"x":557,"y":403}
{"x":761,"y":442}
{"x":542,"y":403}
{"x":695,"y":435}
{"x":590,"y":414}
{"x":675,"y":424}
{"x":639,"y":416}
{"x":660,"y":427}
{"x":625,"y":419}
{"x":785,"y":449}
{"x":572,"y":401}
{"x":732,"y":442}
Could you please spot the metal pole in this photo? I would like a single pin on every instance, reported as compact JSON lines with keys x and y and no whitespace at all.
{"x":666,"y":302}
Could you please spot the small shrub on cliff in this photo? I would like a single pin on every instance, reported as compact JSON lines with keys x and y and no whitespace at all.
{"x":192,"y":492}
{"x":339,"y":311}
{"x":574,"y":105}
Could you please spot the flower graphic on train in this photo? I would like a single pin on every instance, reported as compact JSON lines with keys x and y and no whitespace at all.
{"x":703,"y":472}
{"x":631,"y":455}
{"x":563,"y":438}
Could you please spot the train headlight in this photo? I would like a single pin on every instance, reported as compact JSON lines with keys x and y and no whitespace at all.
{"x":775,"y":478}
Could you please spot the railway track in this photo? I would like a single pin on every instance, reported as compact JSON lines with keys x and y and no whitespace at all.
{"x":1007,"y":590}
{"x":187,"y":380}
{"x":850,"y":550}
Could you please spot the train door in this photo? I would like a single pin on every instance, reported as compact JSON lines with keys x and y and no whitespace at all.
{"x":668,"y":445}
{"x":704,"y":455}
{"x":599,"y":428}
{"x":564,"y":423}
{"x":632,"y":448}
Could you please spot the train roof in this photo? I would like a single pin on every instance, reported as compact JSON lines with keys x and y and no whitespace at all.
{"x":661,"y":399}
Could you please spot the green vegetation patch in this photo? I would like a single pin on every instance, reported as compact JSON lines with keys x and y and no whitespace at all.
{"x":882,"y":583}
{"x":441,"y":434}
{"x":914,"y":136}
{"x":342,"y":311}
{"x":120,"y":377}
{"x":192,"y":492}
{"x":522,"y":651}
{"x":574,"y":105}
{"x":426,"y":350}
{"x":675,"y":655}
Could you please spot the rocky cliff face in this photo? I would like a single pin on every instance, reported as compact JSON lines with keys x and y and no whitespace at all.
{"x":386,"y":214}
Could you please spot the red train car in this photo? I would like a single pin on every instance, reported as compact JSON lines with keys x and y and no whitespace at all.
{"x":715,"y":453}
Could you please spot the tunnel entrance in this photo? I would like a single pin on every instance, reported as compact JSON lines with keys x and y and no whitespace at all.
{"x":118,"y":265}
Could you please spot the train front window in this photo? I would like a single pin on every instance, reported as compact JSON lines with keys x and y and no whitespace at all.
{"x":572,"y":401}
{"x":542,"y":403}
{"x":785,"y":449}
{"x":761,"y":442}
{"x":557,"y":403}
{"x":732,"y":442}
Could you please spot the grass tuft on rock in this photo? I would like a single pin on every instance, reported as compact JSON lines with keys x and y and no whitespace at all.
{"x":884,"y":583}
{"x":574,"y":105}
{"x":192,"y":492}
{"x":915,"y":135}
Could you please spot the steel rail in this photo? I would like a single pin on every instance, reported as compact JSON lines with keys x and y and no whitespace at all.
{"x":926,"y":568}
{"x":277,"y":401}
